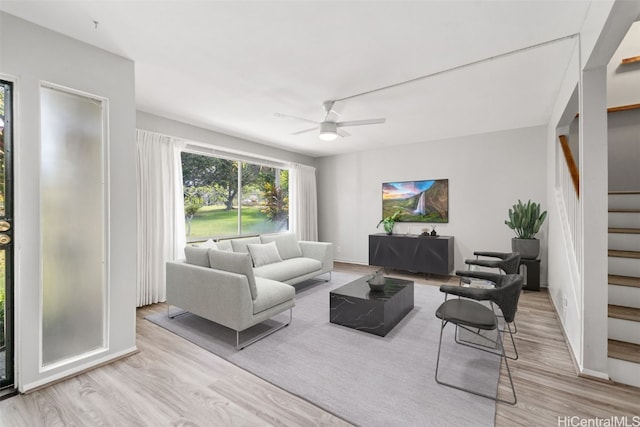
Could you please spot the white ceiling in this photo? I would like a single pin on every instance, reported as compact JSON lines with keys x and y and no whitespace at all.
{"x":230,"y":65}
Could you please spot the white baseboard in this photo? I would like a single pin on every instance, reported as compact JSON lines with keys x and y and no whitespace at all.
{"x":594,"y":374}
{"x":63,"y":375}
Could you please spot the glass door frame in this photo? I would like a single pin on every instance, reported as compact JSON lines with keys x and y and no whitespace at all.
{"x":9,"y":380}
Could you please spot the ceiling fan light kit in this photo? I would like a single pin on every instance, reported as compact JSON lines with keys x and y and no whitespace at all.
{"x":328,"y":131}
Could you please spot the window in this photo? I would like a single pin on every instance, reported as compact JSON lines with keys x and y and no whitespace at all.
{"x":226,"y":197}
{"x":73,"y":198}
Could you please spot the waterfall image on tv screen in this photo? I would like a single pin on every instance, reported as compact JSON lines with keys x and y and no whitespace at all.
{"x":419,"y":201}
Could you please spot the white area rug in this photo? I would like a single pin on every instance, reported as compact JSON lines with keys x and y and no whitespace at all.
{"x":365,"y":379}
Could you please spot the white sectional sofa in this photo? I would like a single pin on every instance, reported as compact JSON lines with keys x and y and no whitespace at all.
{"x":241,"y":282}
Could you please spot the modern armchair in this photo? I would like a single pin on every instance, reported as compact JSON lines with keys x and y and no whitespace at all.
{"x":508,"y":262}
{"x":468,"y":313}
{"x":491,"y":277}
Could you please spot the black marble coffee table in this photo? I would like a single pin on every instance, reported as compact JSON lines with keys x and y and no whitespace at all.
{"x":354,"y":305}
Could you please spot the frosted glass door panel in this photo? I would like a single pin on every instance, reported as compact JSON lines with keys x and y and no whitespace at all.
{"x":72,"y":224}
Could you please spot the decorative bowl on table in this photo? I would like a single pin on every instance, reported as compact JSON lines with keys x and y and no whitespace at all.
{"x":377,"y":282}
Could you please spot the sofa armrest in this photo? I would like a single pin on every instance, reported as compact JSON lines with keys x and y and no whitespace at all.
{"x":217,"y":295}
{"x":322,"y":251}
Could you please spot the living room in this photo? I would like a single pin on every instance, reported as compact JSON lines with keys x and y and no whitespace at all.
{"x":490,"y":159}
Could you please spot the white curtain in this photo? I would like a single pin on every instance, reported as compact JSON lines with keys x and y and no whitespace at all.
{"x":303,"y":202}
{"x":161,"y":228}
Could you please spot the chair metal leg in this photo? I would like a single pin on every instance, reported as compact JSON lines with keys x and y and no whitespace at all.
{"x":324,"y":280}
{"x":240,"y":346}
{"x":509,"y":331}
{"x":473,"y":344}
{"x":502,"y":356}
{"x":495,"y":343}
{"x":513,"y":343}
{"x":170,"y":316}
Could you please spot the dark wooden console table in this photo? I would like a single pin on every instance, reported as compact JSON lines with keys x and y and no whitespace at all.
{"x":417,"y":254}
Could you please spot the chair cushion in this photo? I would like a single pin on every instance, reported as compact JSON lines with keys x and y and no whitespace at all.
{"x":271,"y":293}
{"x":197,"y":255}
{"x":287,"y":244}
{"x":240,"y":245}
{"x":466,"y":312}
{"x":288,"y":269}
{"x":264,"y":254}
{"x":235,"y":263}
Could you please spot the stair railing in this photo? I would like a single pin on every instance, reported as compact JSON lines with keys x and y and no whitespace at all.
{"x":568,"y":184}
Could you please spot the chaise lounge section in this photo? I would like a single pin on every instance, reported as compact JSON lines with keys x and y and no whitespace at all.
{"x":241,"y":282}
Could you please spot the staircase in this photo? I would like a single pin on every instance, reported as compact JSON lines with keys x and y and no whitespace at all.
{"x":624,"y":287}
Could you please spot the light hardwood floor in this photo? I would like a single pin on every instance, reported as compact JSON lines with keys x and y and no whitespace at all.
{"x":173,"y":382}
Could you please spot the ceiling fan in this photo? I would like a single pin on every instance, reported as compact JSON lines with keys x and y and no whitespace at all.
{"x":330,"y":127}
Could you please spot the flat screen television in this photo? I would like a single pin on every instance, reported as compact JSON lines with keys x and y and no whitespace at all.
{"x":419,"y":201}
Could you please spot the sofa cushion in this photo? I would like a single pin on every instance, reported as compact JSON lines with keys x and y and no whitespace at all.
{"x":271,"y":293}
{"x":224,"y":245}
{"x":240,"y":245}
{"x":287,"y":244}
{"x":235,"y":263}
{"x":208,"y":244}
{"x":197,"y":255}
{"x":264,"y":254}
{"x":288,"y":269}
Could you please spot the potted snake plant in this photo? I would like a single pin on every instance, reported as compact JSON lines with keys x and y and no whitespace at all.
{"x":526,"y":219}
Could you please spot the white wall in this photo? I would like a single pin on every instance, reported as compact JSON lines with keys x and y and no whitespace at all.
{"x":623,"y":81}
{"x":188,"y":132}
{"x":624,"y":148}
{"x":564,"y":283}
{"x":487,"y":174}
{"x":30,"y":54}
{"x":623,"y":88}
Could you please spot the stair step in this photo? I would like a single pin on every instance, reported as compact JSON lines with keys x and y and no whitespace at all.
{"x":623,"y":242}
{"x":624,"y":200}
{"x":623,"y":218}
{"x":624,"y":254}
{"x":626,"y":313}
{"x":621,"y":266}
{"x":624,"y":351}
{"x":623,"y":371}
{"x":624,"y":230}
{"x":627,"y":296}
{"x":615,"y":279}
{"x":623,"y":330}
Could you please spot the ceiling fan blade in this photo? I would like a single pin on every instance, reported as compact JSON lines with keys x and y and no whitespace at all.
{"x":289,"y":116}
{"x":305,"y":130}
{"x":361,"y":122}
{"x":330,"y":112}
{"x":343,"y":133}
